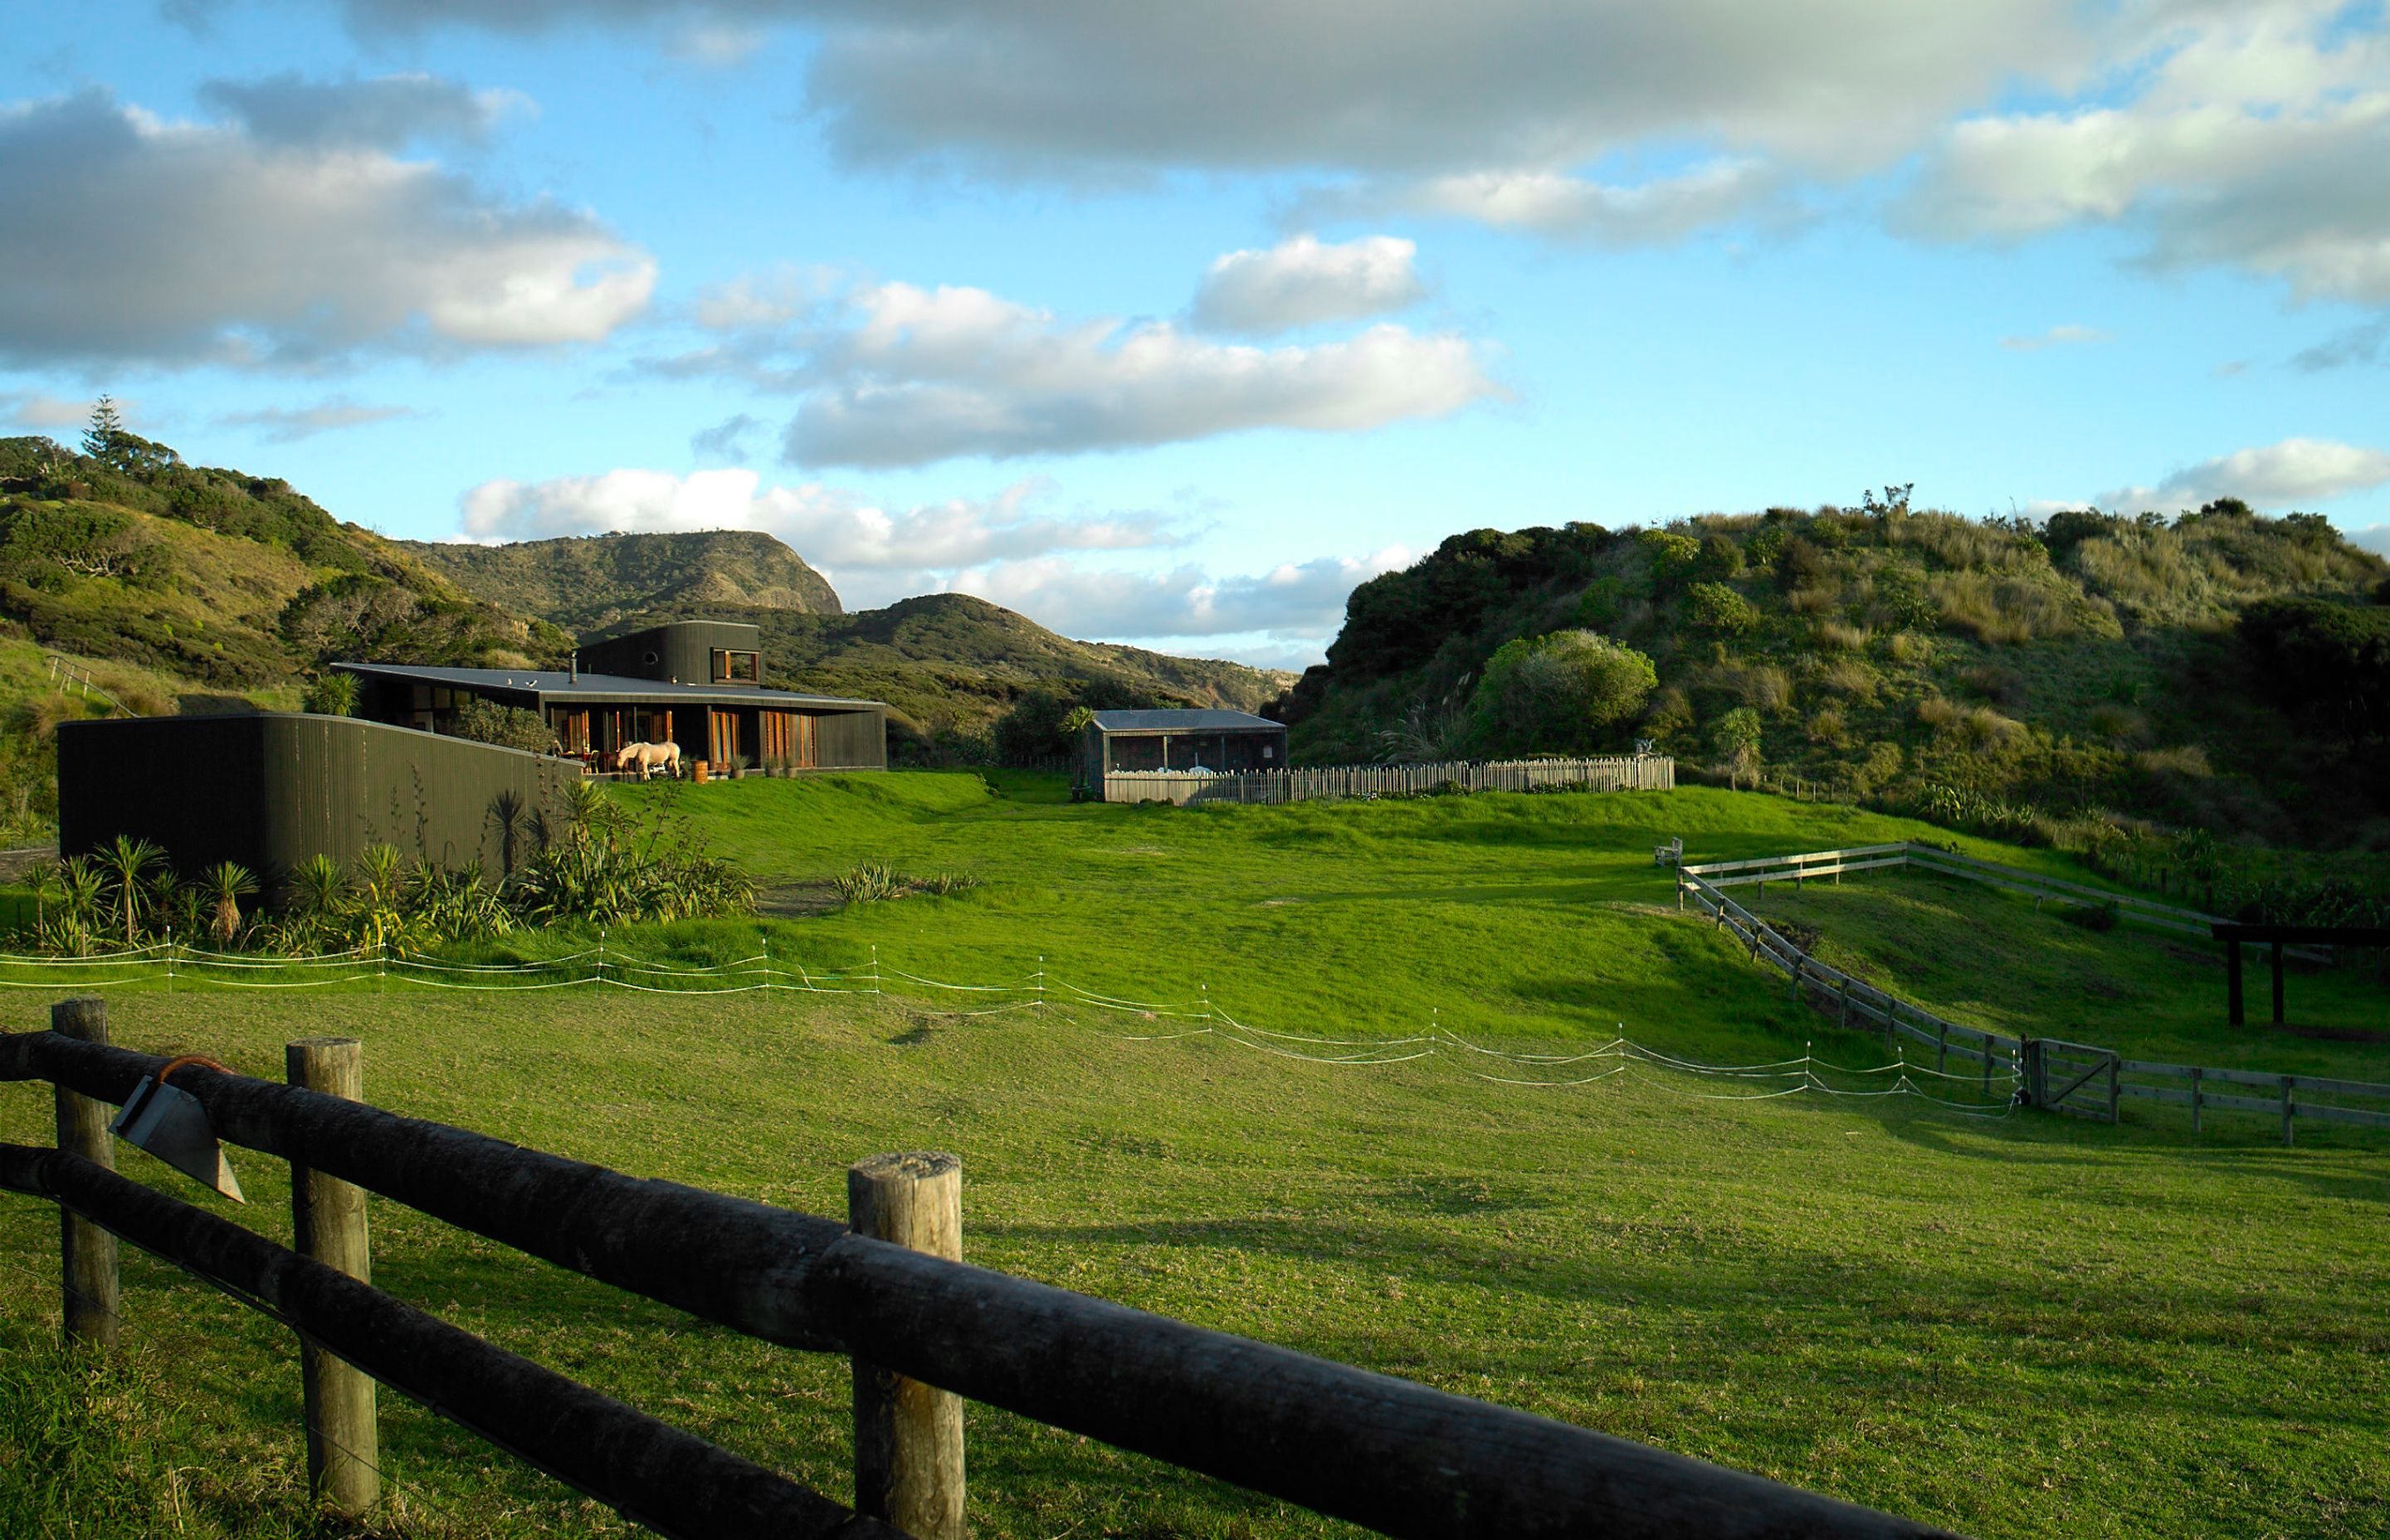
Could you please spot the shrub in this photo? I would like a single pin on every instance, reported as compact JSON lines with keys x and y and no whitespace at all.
{"x":1718,"y":610}
{"x":1837,"y":633}
{"x":2330,"y":660}
{"x":1672,"y":557}
{"x":1763,"y":687}
{"x":1736,"y":736}
{"x":508,"y":727}
{"x":866,"y":884}
{"x":1939,"y":714}
{"x":1880,"y":768}
{"x":1557,"y":693}
{"x":1825,"y":726}
{"x":1908,"y":647}
{"x":1718,"y":558}
{"x":1814,"y":601}
{"x":333,"y":695}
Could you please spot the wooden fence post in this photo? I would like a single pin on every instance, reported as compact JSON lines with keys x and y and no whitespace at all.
{"x":909,"y":1436}
{"x":2197,"y":1075}
{"x":328,"y":1223}
{"x":86,"y":1253}
{"x":2290,"y":1109}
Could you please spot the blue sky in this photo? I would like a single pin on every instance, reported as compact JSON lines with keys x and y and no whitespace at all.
{"x":1170,"y":323}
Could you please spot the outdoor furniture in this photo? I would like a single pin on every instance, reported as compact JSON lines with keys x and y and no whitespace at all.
{"x":1670,"y":854}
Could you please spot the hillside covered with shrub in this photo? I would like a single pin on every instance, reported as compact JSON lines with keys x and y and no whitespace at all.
{"x":587,"y":582}
{"x":2219,"y":670}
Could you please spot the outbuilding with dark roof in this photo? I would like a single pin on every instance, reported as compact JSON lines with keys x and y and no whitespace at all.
{"x":1194,"y":740}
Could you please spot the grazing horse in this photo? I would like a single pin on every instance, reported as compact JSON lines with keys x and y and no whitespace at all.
{"x":647,"y":758}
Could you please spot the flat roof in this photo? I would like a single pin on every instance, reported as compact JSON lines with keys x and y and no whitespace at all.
{"x":558,"y":685}
{"x":1187,"y":721}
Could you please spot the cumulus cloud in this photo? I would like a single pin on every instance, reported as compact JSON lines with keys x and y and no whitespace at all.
{"x":2376,"y":539}
{"x":892,"y":374}
{"x":2056,"y":337}
{"x":1659,"y":211}
{"x":289,"y":110}
{"x":178,"y":244}
{"x":2294,"y":473}
{"x":288,"y":425}
{"x":1004,"y":548}
{"x":1296,"y":603}
{"x":1090,"y":86}
{"x":889,"y":552}
{"x":2260,"y":139}
{"x":45,"y":411}
{"x":1303,"y":282}
{"x":925,"y":375}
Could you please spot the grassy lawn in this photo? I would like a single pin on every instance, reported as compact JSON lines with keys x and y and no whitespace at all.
{"x":2028,"y":1327}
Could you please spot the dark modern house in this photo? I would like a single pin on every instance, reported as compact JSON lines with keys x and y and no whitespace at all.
{"x":270,"y":789}
{"x":1221,"y":741}
{"x":695,"y":682}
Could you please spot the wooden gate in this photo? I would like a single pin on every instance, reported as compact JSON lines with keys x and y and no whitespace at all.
{"x":2072,"y":1077}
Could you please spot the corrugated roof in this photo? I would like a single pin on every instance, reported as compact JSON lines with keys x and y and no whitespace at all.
{"x":556,"y":684}
{"x":1200,"y":721}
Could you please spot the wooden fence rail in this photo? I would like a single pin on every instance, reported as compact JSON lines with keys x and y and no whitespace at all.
{"x":2053,"y":1074}
{"x":1393,"y":1456}
{"x":1631,"y":773}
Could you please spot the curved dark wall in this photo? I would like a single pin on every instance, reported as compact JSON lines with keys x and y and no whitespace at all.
{"x":269,"y":789}
{"x":683,"y":649}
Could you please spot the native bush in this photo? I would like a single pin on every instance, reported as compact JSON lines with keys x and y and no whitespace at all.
{"x":508,"y":727}
{"x":1557,"y":693}
{"x":1736,"y":737}
{"x":1719,"y":611}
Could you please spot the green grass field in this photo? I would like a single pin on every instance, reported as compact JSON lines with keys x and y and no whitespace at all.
{"x":2016,"y":1326}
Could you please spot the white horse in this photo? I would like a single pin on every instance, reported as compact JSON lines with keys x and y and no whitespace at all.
{"x":647,"y":758}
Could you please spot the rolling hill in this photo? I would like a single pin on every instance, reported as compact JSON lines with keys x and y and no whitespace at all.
{"x":168,"y":587}
{"x":2209,"y":670}
{"x":589,"y":583}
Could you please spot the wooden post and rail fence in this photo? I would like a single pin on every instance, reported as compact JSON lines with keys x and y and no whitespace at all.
{"x":2051,"y":1073}
{"x":1625,"y":773}
{"x":887,"y":1289}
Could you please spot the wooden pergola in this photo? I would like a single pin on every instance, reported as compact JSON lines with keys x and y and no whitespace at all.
{"x":2274,"y":938}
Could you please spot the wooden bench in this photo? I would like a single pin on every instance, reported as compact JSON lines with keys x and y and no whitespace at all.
{"x":1670,"y":854}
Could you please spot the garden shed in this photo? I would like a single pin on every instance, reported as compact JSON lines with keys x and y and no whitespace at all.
{"x":1195,"y":740}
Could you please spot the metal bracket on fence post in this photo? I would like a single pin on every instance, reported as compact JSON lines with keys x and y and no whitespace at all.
{"x":86,"y":1253}
{"x":328,"y":1224}
{"x":909,"y":1436}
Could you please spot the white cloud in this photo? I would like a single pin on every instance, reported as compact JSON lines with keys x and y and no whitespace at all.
{"x":2056,"y":337}
{"x":1095,"y":88}
{"x":920,"y":375}
{"x":174,"y":244}
{"x":280,"y":424}
{"x":2376,"y":539}
{"x":388,"y":112}
{"x":2295,"y":473}
{"x":1296,"y":602}
{"x":1556,"y":204}
{"x":45,"y":411}
{"x":2260,"y":140}
{"x":1303,"y":282}
{"x":725,"y":440}
{"x":881,"y":553}
{"x":1001,"y":548}
{"x":2366,"y":343}
{"x":892,"y":374}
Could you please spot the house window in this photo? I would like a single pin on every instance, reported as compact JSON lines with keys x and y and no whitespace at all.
{"x":737,"y":668}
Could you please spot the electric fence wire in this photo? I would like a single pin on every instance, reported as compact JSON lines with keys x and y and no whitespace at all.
{"x":1048,"y":996}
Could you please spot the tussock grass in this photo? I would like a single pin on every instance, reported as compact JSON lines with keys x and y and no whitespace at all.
{"x":1843,"y":636}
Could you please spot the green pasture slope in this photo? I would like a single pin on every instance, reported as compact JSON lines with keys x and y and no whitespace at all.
{"x":2024,"y":1327}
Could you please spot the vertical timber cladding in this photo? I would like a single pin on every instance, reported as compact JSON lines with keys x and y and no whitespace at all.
{"x":271,"y":790}
{"x":680,"y":652}
{"x":851,"y":740}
